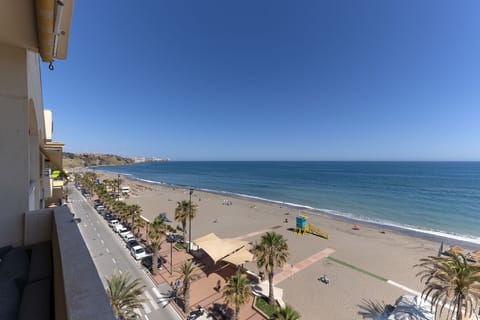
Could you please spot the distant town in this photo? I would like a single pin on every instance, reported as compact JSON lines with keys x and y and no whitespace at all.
{"x":149,"y":159}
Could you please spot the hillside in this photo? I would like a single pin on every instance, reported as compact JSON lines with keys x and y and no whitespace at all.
{"x":71,"y":160}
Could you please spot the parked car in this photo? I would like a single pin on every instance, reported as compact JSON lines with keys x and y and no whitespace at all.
{"x":100,"y":207}
{"x":147,"y":262}
{"x":138,"y":252}
{"x":128,"y":236}
{"x":109,"y":217}
{"x":113,"y":222}
{"x":119,"y":228}
{"x":132,"y":243}
{"x":123,"y":232}
{"x":175,"y":238}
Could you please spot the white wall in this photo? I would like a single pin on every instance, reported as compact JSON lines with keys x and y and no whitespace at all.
{"x":21,"y":110}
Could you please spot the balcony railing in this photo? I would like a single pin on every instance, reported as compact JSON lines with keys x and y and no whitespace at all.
{"x":78,"y":290}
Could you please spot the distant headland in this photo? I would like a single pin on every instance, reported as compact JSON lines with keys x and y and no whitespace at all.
{"x":72,"y":160}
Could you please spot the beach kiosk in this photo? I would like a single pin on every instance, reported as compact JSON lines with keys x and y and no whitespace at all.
{"x":301,"y":224}
{"x":302,"y":227}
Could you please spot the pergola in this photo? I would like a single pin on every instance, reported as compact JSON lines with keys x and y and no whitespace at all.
{"x":230,"y":250}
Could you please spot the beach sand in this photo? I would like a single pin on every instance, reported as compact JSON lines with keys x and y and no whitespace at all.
{"x":362,"y":259}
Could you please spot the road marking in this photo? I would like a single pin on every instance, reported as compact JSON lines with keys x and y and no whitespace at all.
{"x":398,"y":285}
{"x":94,"y":229}
{"x":137,"y":311}
{"x":108,"y":251}
{"x":103,"y":242}
{"x":146,"y":308}
{"x":120,"y":271}
{"x":98,"y":234}
{"x":85,"y":225}
{"x":155,"y":291}
{"x":152,"y":302}
{"x":146,"y":317}
{"x":114,"y":260}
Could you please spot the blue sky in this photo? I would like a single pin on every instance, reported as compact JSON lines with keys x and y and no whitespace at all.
{"x":271,"y":80}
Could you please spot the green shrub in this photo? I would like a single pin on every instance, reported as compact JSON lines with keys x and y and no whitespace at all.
{"x":262,"y":304}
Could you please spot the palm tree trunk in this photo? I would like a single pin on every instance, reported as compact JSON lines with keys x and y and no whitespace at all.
{"x":237,"y":312}
{"x":155,"y":261}
{"x":186,"y":297}
{"x":184,"y":226}
{"x":271,"y":298}
{"x":459,"y":309}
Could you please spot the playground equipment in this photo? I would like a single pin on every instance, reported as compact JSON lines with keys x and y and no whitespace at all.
{"x":303,"y":227}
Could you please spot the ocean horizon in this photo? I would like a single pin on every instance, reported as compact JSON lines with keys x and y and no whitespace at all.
{"x":436,"y":198}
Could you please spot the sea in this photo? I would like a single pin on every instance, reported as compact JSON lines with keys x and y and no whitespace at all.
{"x":433,"y":198}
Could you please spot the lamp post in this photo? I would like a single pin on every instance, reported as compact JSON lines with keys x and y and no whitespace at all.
{"x":171,"y":257}
{"x":190,"y":221}
{"x":118,"y":187}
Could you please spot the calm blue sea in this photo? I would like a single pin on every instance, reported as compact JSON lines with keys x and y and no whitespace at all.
{"x":435,"y":197}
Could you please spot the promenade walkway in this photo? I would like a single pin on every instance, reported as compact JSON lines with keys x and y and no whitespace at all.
{"x":290,"y":270}
{"x":255,"y":233}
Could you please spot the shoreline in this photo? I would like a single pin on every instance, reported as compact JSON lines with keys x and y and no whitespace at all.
{"x":430,"y":235}
{"x":391,"y":254}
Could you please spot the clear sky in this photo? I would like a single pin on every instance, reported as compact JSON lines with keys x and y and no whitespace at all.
{"x":271,"y":80}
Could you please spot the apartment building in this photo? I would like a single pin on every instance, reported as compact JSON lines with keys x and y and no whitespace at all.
{"x":46,"y":271}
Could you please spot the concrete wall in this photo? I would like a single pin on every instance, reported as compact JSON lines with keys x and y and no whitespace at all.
{"x":22,"y":130}
{"x":14,"y":144}
{"x":79,"y":293}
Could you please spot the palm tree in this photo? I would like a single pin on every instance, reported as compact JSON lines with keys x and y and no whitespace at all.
{"x":134,"y":211}
{"x":139,"y":223}
{"x":286,"y":313}
{"x":451,"y":280}
{"x":271,"y":252}
{"x":125,"y":295}
{"x":182,"y":214}
{"x":237,"y":292}
{"x":187,"y":271}
{"x":156,"y":232}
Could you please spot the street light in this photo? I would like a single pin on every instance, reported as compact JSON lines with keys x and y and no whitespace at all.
{"x":190,"y":222}
{"x":171,"y":257}
{"x":118,"y":187}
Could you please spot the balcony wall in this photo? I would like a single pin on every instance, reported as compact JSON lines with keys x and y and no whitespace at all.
{"x":79,"y":293}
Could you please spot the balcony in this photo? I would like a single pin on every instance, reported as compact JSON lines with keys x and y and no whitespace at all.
{"x":59,"y":262}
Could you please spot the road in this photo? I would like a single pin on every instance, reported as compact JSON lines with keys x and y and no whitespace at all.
{"x":110,"y":255}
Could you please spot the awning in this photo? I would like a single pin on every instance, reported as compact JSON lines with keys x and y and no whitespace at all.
{"x":240,"y":257}
{"x":53,"y":27}
{"x":220,"y":249}
{"x":54,"y":152}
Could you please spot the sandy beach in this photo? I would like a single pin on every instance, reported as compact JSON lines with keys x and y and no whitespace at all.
{"x":358,"y":267}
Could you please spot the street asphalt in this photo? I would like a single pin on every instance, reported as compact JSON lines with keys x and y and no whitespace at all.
{"x":110,"y":255}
